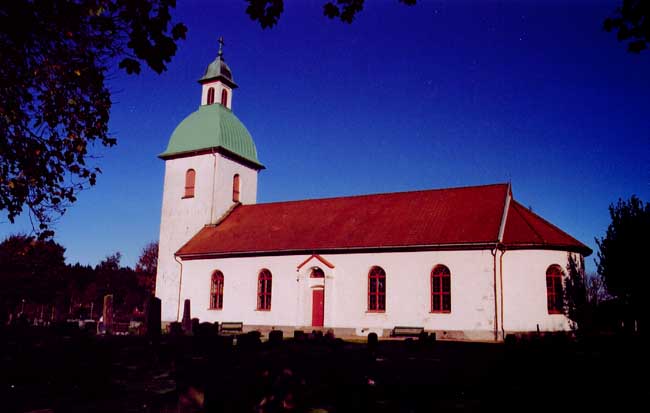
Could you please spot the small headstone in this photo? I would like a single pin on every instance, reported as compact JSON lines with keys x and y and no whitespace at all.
{"x":108,"y":313}
{"x":175,"y":329}
{"x":249,"y":340}
{"x":298,"y":335}
{"x":186,"y":322}
{"x":373,"y":341}
{"x":329,"y":336}
{"x":59,"y":308}
{"x":195,"y":325}
{"x":423,"y":336}
{"x":90,"y":327}
{"x":206,"y":329}
{"x":152,"y":315}
{"x":275,"y":337}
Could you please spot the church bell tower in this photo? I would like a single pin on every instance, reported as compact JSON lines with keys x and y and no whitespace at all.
{"x":211,"y":166}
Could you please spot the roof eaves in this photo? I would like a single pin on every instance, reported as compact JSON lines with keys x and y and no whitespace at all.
{"x":220,"y":77}
{"x":219,"y":149}
{"x":391,"y":248}
{"x":581,"y":248}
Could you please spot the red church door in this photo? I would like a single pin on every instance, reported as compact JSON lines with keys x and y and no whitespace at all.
{"x":318,"y":307}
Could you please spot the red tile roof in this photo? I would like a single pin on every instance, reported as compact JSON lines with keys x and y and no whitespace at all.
{"x":524,"y":229}
{"x":468,"y":217}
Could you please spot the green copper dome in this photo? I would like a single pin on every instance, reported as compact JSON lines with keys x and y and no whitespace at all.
{"x":212,"y":127}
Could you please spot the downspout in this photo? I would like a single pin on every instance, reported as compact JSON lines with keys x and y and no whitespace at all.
{"x":503,"y":251}
{"x":180,"y":282}
{"x":298,"y":295}
{"x":499,"y":246}
{"x":496,"y":310}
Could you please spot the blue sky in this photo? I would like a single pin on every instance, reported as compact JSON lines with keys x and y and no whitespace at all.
{"x":446,"y":93}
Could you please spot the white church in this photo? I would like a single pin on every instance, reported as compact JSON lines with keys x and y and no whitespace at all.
{"x":467,"y":263}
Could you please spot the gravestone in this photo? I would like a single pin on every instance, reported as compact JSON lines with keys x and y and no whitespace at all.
{"x":275,"y":337}
{"x":175,"y":329}
{"x":329,"y":336}
{"x":152,"y":316}
{"x":373,"y":341}
{"x":195,"y":325}
{"x":249,"y":340}
{"x":108,"y":313}
{"x":186,"y":322}
{"x":299,"y":335}
{"x":206,"y":329}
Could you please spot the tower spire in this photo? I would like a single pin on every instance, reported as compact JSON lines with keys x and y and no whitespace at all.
{"x":217,"y":82}
{"x":221,"y":43}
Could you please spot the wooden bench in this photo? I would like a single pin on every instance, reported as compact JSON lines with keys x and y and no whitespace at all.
{"x":403,"y":331}
{"x":231,"y":327}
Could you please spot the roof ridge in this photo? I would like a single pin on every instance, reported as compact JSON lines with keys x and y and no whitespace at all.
{"x":504,"y":214}
{"x":379,"y":194}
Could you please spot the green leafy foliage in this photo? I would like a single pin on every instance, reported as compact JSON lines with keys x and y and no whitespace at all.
{"x":54,"y":103}
{"x":34,"y":271}
{"x":147,"y":267}
{"x":622,"y":251}
{"x":631,"y":23}
{"x":268,"y":12}
{"x":30,"y":269}
{"x":576,"y":302}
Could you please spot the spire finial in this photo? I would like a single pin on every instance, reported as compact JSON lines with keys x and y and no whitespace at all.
{"x":221,"y":43}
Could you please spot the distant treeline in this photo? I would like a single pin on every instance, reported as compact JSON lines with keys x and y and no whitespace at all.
{"x":38,"y":285}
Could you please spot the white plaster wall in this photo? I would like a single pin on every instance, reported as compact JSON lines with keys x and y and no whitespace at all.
{"x":524,"y":290}
{"x":218,"y":87}
{"x":226,"y":170}
{"x":346,"y":289}
{"x":183,"y":218}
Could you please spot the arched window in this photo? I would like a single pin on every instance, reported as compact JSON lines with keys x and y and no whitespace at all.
{"x":316,"y":273}
{"x":554,"y":296}
{"x":216,"y":291}
{"x":210,"y":96}
{"x":264,"y":290}
{"x":224,"y":97}
{"x":235,"y":188}
{"x":190,"y":177}
{"x":440,"y":289}
{"x":377,"y":289}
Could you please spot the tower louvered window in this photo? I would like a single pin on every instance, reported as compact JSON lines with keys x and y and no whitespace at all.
{"x":235,"y":188}
{"x":224,"y":97}
{"x":190,"y":177}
